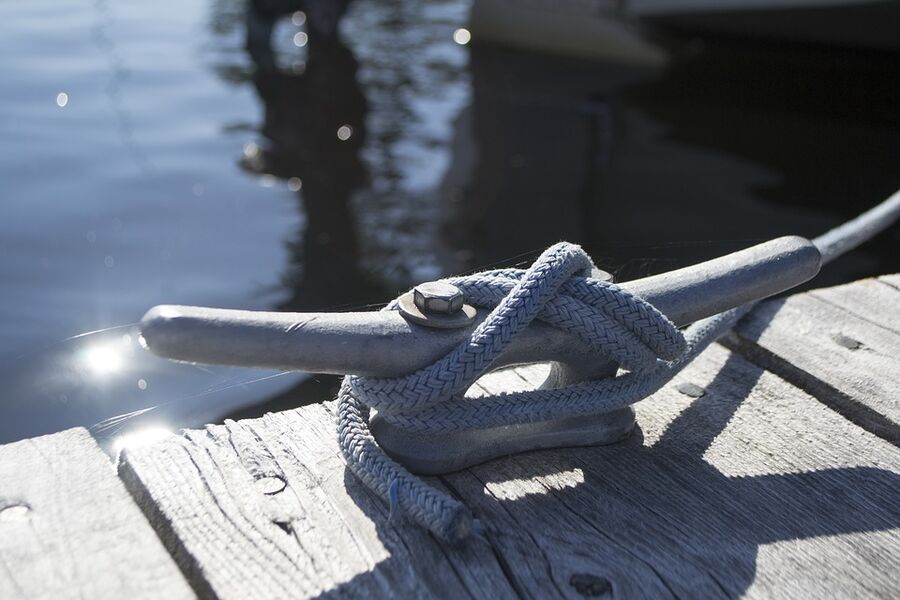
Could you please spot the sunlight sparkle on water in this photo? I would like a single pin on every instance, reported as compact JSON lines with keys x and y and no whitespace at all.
{"x":251,"y":150}
{"x":103,"y":360}
{"x":462,"y":36}
{"x":267,"y":180}
{"x":140,"y":438}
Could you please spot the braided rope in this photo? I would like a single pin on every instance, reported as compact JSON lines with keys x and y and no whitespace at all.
{"x":556,"y":289}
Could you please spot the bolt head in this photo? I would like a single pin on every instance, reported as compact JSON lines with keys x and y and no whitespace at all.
{"x":438,"y":298}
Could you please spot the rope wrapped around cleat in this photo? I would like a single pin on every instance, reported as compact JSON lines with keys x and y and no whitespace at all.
{"x":556,"y":289}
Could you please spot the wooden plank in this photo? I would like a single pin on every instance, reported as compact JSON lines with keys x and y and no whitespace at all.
{"x":264,"y":508}
{"x":755,"y":488}
{"x":68,"y":528}
{"x":892,"y":280}
{"x":872,"y":300}
{"x":842,"y":344}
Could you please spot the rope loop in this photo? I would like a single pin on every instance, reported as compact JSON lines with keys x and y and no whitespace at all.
{"x":556,"y":289}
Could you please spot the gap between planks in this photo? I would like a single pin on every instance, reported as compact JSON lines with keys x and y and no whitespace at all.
{"x":69,"y":529}
{"x":840,"y":344}
{"x":754,"y":489}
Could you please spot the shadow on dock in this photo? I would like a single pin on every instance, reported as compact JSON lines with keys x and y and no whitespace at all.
{"x":667,"y":523}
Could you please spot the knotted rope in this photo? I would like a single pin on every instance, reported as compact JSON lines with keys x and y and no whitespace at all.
{"x":557,"y":289}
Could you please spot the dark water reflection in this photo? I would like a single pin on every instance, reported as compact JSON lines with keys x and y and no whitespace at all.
{"x":205,"y":159}
{"x":313,"y":131}
{"x":656,"y":169}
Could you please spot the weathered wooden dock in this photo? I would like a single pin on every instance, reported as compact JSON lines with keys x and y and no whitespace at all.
{"x":769,"y":468}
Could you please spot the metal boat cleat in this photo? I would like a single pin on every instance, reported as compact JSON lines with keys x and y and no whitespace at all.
{"x":432,"y":319}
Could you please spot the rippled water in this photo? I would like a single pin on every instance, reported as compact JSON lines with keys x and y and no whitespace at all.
{"x":147,"y":157}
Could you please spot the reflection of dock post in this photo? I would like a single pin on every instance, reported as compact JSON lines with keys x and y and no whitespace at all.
{"x":313,"y":129}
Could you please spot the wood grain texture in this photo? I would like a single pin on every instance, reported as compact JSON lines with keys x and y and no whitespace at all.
{"x":753,"y":489}
{"x":69,"y":529}
{"x":892,"y":280}
{"x":841,"y":344}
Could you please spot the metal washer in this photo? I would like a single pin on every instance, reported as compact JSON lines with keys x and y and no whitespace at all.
{"x":464,"y":317}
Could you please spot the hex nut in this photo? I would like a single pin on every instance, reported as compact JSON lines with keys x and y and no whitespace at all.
{"x":436,"y":297}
